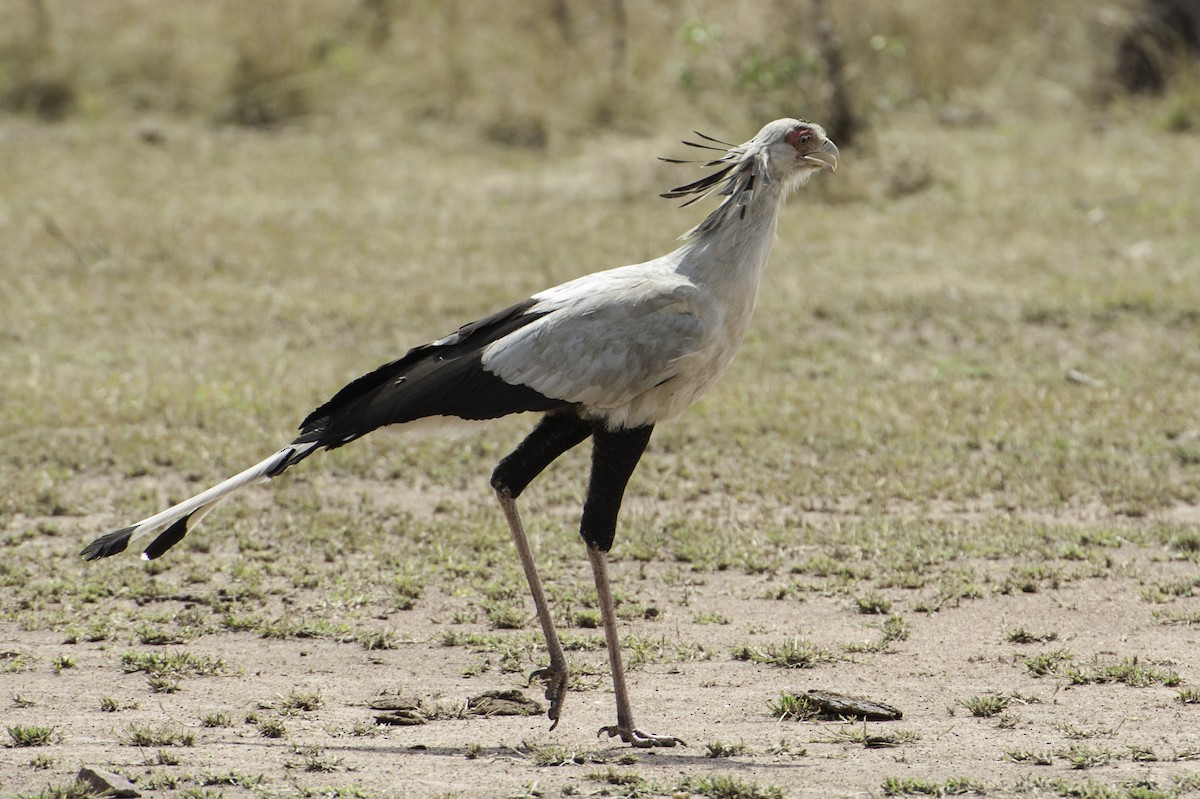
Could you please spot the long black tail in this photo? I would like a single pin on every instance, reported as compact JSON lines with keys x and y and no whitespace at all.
{"x":443,"y":379}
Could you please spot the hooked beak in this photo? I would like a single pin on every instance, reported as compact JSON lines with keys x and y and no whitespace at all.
{"x":824,"y":158}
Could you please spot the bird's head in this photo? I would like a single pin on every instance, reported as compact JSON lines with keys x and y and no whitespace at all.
{"x":798,"y":149}
{"x":785,"y":153}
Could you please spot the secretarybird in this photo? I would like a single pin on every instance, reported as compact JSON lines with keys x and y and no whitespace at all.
{"x":607,"y":356}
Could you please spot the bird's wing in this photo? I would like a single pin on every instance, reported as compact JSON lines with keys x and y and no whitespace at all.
{"x":604,"y":339}
{"x":441,"y":379}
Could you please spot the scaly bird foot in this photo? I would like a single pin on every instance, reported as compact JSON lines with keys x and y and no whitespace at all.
{"x":556,"y":690}
{"x":639,"y":739}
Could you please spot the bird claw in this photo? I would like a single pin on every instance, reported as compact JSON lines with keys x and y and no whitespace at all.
{"x":556,"y":690}
{"x":639,"y":739}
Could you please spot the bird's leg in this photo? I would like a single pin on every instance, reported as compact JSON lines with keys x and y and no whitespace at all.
{"x":624,"y":726}
{"x":555,"y":675}
{"x":614,"y":457}
{"x":552,"y":437}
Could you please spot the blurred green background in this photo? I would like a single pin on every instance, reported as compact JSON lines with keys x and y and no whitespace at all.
{"x":536,"y":73}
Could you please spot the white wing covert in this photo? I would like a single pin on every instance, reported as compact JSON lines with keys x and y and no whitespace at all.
{"x":603,"y":342}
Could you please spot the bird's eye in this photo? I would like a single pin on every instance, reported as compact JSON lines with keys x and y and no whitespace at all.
{"x":799,"y":137}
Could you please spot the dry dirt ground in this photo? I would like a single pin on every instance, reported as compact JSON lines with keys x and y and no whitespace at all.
{"x":1096,"y":736}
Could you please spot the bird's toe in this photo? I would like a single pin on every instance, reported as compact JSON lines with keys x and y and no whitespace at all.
{"x":555,"y":681}
{"x":639,"y":739}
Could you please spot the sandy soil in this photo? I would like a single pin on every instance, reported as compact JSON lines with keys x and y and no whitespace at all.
{"x":956,"y":653}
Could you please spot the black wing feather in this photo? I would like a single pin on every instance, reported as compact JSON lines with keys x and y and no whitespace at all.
{"x":168,"y":538}
{"x":440,"y":379}
{"x":108,"y":544}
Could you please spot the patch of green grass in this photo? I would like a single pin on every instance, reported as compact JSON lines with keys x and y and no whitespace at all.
{"x":42,"y":762}
{"x":1169,"y":591}
{"x":1142,"y":754}
{"x":957,"y":584}
{"x":155,"y":635}
{"x":1130,"y":671}
{"x":351,"y":791}
{"x":218,"y":719}
{"x":1187,"y":542}
{"x":894,"y":628}
{"x":985,"y":705}
{"x":200,"y":792}
{"x":1188,"y":696}
{"x":232,"y":778}
{"x":363,"y":729}
{"x":1020,"y":635}
{"x":721,"y":749}
{"x":165,"y":757}
{"x":1031,"y":579}
{"x":786,"y":748}
{"x":873,"y":738}
{"x":372,"y":640}
{"x":874,"y":604}
{"x":1185,"y":783}
{"x":505,"y":615}
{"x":162,"y":780}
{"x":557,"y":755}
{"x":794,"y":706}
{"x":164,"y":683}
{"x":471,"y":639}
{"x":406,"y":590}
{"x":1045,"y":663}
{"x":300,"y":701}
{"x":149,"y":736}
{"x":286,"y":628}
{"x":720,"y":786}
{"x":625,"y":783}
{"x":178,"y":664}
{"x":314,"y":759}
{"x":795,"y":653}
{"x":1183,"y":617}
{"x":1076,"y":733}
{"x":645,"y":650}
{"x":247,"y":623}
{"x":627,"y":610}
{"x":587,"y":618}
{"x":822,"y":565}
{"x":910,"y":786}
{"x":1008,"y":721}
{"x":856,"y":647}
{"x":32,"y":735}
{"x":73,"y":790}
{"x":272,"y":728}
{"x":962,"y":786}
{"x":710,"y":618}
{"x":1031,"y":757}
{"x":476,"y":668}
{"x":1084,"y":757}
{"x":917,"y":786}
